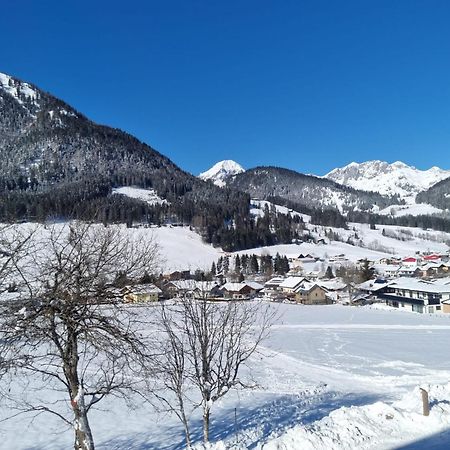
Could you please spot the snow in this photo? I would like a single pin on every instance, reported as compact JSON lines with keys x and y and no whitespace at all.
{"x":389,"y":179}
{"x":182,"y":248}
{"x":412,"y":209}
{"x":330,"y":377}
{"x":147,"y":195}
{"x":327,"y":378}
{"x":179,"y":247}
{"x":257,"y":208}
{"x":378,"y":425}
{"x":321,"y":251}
{"x":17,"y":88}
{"x":221,"y":171}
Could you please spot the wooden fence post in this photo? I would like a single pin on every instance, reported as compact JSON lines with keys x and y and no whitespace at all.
{"x":425,"y":402}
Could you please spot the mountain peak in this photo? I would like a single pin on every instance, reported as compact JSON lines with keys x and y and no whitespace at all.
{"x":221,"y":171}
{"x":395,"y":178}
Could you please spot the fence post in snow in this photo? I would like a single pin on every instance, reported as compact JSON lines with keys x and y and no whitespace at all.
{"x":425,"y":402}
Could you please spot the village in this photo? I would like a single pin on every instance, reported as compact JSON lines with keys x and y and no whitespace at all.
{"x":419,"y":283}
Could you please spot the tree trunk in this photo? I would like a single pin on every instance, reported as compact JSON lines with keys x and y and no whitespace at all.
{"x":206,"y":411}
{"x":187,"y":434}
{"x":185,"y":425}
{"x":83,"y":433}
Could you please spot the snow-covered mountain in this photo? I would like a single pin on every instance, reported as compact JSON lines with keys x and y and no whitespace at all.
{"x":388,"y":179}
{"x":221,"y":171}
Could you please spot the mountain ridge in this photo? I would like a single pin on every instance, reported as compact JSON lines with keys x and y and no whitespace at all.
{"x":396,"y":178}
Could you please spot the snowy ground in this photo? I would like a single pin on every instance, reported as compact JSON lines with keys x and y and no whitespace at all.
{"x":147,"y":195}
{"x":415,"y":209}
{"x":179,"y":247}
{"x":330,"y":377}
{"x":184,"y":249}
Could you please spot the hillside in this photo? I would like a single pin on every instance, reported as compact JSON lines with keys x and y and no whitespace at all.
{"x":437,"y":195}
{"x":55,"y":162}
{"x":307,"y":190}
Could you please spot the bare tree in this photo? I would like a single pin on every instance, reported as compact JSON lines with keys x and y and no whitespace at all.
{"x":15,"y":245}
{"x":71,"y":331}
{"x":204,"y":347}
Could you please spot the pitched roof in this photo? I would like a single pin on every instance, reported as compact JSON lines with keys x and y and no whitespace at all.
{"x":307,"y":286}
{"x":233,"y":287}
{"x":291,"y":282}
{"x":144,"y":289}
{"x":254,"y":285}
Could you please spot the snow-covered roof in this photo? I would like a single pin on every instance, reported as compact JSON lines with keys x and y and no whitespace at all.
{"x":254,"y":285}
{"x":291,"y":282}
{"x":276,"y":281}
{"x":184,"y":284}
{"x":373,"y":285}
{"x":387,"y":268}
{"x":192,"y":285}
{"x":412,"y":284}
{"x":205,"y":286}
{"x":307,"y":286}
{"x":144,"y":289}
{"x":233,"y":287}
{"x":332,"y":285}
{"x":431,"y":265}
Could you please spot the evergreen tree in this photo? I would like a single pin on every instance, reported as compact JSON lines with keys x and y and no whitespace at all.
{"x":254,"y":266}
{"x":237,"y":264}
{"x":329,"y":273}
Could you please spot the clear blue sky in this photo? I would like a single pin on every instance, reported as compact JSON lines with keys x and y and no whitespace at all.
{"x":308,"y":85}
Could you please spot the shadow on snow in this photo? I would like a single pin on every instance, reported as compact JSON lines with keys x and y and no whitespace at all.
{"x":250,"y":425}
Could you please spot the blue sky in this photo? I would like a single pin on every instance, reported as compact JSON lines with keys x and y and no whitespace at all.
{"x":308,"y":85}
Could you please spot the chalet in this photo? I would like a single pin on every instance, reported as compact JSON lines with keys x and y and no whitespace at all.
{"x":289,"y":285}
{"x":192,"y":289}
{"x":256,"y":287}
{"x":206,"y":289}
{"x":235,"y":291}
{"x":431,"y":270}
{"x":273,"y":284}
{"x":240,"y":291}
{"x":410,"y":261}
{"x":372,"y":287}
{"x":391,"y":260}
{"x":432,"y":258}
{"x":307,"y":258}
{"x":417,"y":295}
{"x":143,"y":293}
{"x":408,"y":271}
{"x":180,"y":288}
{"x":386,"y":270}
{"x":178,"y":275}
{"x":335,"y":288}
{"x":309,"y":293}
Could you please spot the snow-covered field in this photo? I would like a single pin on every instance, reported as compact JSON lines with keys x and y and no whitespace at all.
{"x":330,"y":377}
{"x":415,"y":209}
{"x":183,"y":249}
{"x":147,"y":195}
{"x":179,"y":247}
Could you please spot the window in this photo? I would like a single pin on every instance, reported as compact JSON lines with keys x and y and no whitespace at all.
{"x":438,"y":308}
